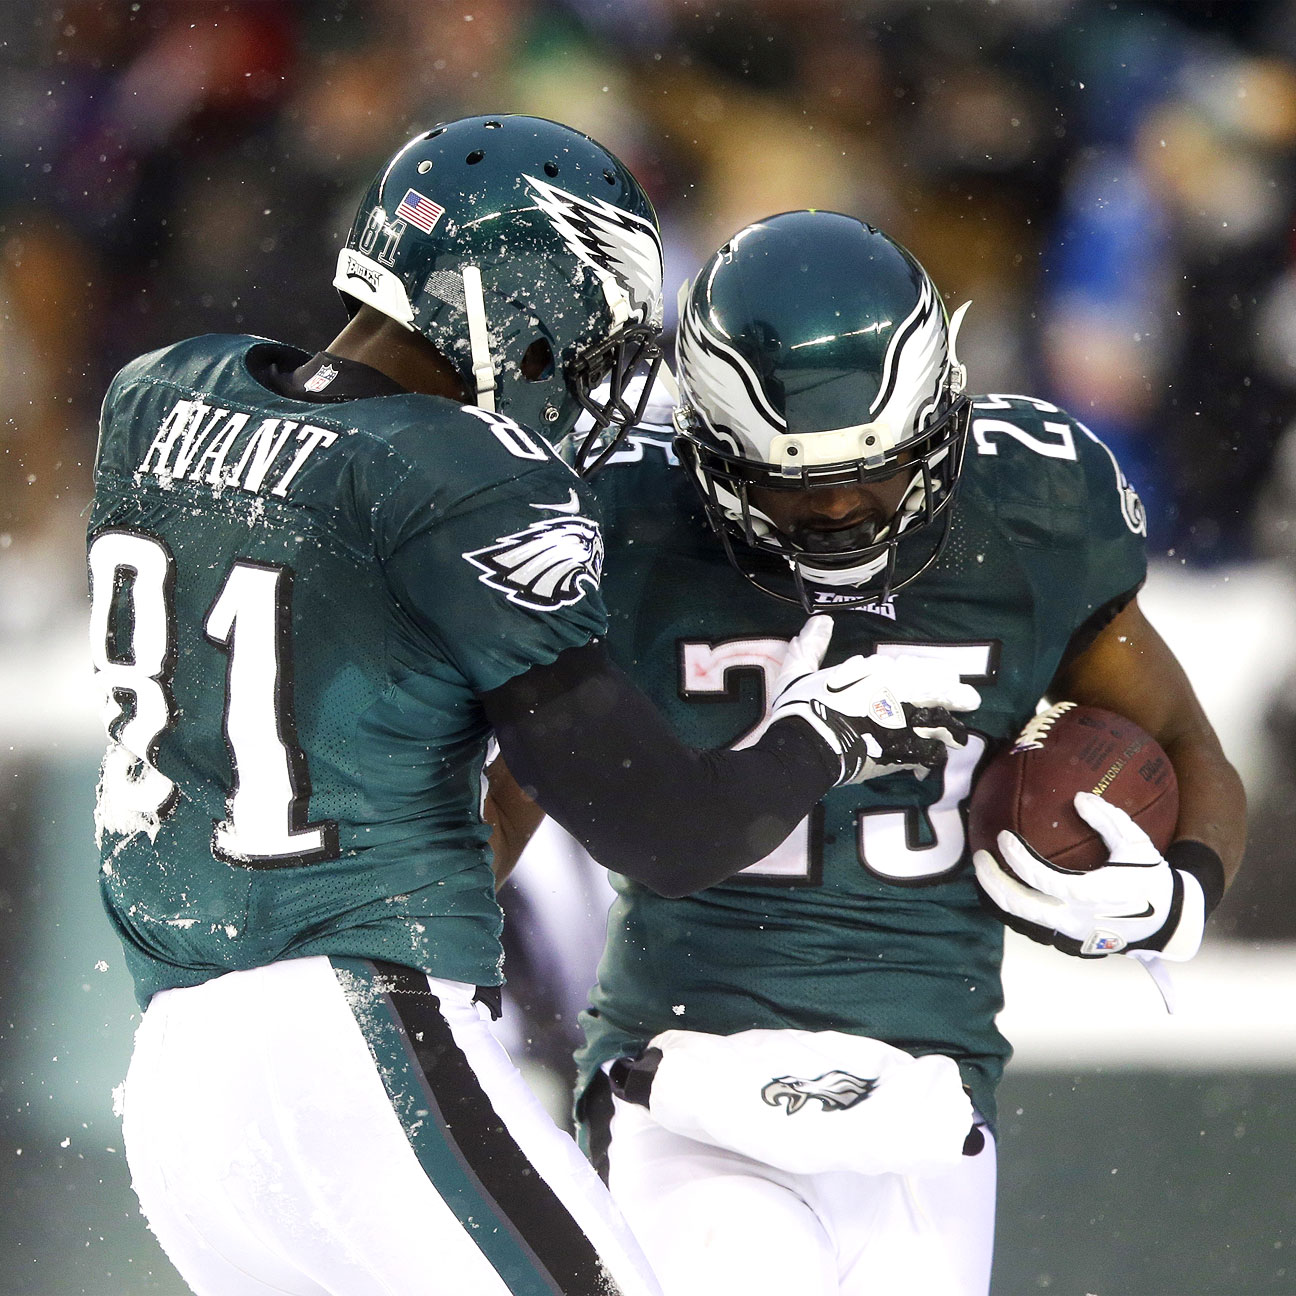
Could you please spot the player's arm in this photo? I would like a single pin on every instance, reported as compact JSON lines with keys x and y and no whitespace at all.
{"x":1129,"y":669}
{"x":594,"y":752}
{"x":512,"y":816}
{"x":1140,"y":901}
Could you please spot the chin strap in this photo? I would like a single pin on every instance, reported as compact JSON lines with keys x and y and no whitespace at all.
{"x":958,"y":369}
{"x":479,"y":338}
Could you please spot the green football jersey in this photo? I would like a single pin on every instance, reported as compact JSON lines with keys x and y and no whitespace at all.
{"x":294,"y":607}
{"x":867,"y":919}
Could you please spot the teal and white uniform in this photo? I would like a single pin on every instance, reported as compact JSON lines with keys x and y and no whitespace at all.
{"x":292,"y":627}
{"x":295,"y":606}
{"x":868,"y":919}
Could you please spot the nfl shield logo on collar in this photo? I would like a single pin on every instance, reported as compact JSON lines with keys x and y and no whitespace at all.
{"x":320,"y":378}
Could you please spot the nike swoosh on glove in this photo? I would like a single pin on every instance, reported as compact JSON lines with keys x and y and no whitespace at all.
{"x":879,"y":714}
{"x":1136,"y":901}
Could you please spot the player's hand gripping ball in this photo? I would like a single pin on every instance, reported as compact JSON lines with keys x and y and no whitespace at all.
{"x":1068,"y":830}
{"x":1030,"y":788}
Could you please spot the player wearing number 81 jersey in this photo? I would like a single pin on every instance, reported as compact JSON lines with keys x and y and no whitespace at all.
{"x":827,"y":455}
{"x":318,"y":583}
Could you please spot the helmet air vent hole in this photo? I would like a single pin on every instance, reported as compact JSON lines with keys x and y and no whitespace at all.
{"x":610,"y":177}
{"x":494,"y":125}
{"x":424,"y":167}
{"x":538,"y":361}
{"x":551,"y":169}
{"x":432,"y":134}
{"x":474,"y":157}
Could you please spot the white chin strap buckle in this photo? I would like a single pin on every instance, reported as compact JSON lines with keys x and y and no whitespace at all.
{"x":479,"y":338}
{"x":958,"y":371}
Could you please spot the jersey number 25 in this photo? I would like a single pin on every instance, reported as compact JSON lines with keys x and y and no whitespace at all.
{"x":886,"y":841}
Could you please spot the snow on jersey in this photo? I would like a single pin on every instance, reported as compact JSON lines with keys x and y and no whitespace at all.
{"x":294,"y":606}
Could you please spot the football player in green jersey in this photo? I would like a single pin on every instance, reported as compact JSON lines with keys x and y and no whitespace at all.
{"x":777,"y":1069}
{"x":318,"y":583}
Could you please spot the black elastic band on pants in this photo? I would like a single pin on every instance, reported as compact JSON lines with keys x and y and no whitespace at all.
{"x":632,"y":1077}
{"x":594,"y":1111}
{"x":493,"y":999}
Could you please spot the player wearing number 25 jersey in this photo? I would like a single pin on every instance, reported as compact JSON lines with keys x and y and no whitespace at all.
{"x":828,"y":458}
{"x":318,"y":583}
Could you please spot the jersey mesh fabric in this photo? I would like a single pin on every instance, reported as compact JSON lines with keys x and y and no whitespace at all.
{"x":875,"y":925}
{"x":386,"y":635}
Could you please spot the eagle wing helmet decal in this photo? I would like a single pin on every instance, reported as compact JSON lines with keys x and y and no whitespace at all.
{"x":724,"y":389}
{"x":550,"y":564}
{"x":836,"y":1090}
{"x":618,"y":245}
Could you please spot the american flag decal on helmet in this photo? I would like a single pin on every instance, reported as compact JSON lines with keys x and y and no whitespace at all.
{"x":419,"y":210}
{"x":550,"y":564}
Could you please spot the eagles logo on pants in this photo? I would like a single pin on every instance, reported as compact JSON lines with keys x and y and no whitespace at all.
{"x":836,"y":1090}
{"x":712,"y":1220}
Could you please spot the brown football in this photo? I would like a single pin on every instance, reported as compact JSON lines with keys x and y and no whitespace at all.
{"x":1029,"y":789}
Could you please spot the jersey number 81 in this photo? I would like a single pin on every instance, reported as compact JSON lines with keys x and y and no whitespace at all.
{"x":133,"y":650}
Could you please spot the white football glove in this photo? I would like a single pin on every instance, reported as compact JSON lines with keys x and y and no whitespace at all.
{"x":878,"y":714}
{"x":1136,"y":901}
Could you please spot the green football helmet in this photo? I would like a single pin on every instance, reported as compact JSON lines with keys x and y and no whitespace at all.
{"x":530,"y":257}
{"x":813,"y":351}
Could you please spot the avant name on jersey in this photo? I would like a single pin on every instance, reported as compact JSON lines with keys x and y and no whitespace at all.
{"x":229,"y":448}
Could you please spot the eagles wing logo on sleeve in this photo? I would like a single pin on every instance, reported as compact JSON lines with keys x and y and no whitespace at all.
{"x":836,"y":1090}
{"x":1132,"y":510}
{"x":550,"y":564}
{"x":615,"y":243}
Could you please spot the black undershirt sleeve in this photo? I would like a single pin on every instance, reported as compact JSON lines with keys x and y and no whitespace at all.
{"x":595,"y":753}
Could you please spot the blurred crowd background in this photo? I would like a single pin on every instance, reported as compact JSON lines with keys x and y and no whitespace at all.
{"x":1111,"y":184}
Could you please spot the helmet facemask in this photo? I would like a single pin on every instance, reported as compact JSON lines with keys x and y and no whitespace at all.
{"x":815,"y":352}
{"x":820,"y":566}
{"x":536,"y":271}
{"x":518,"y":366}
{"x":601,"y":379}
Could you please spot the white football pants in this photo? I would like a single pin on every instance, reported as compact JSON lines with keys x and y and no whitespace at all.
{"x":336,"y":1127}
{"x":713,"y":1221}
